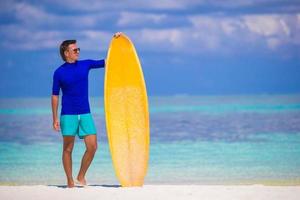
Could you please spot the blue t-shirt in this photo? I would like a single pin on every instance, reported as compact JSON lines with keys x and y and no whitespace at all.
{"x":72,"y":79}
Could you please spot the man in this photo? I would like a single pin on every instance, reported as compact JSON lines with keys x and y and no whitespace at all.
{"x":75,"y":118}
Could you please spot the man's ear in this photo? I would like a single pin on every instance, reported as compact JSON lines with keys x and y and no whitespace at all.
{"x":66,"y":53}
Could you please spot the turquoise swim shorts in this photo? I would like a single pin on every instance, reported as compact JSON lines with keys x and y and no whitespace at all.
{"x":81,"y":125}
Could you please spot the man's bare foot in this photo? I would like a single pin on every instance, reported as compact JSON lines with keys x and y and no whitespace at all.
{"x":81,"y":181}
{"x":71,"y":184}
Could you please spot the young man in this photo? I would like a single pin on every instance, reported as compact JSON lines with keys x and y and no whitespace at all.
{"x":75,"y":118}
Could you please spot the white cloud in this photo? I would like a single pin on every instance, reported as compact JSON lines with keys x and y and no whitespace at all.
{"x":285,"y":27}
{"x":38,"y":28}
{"x":206,"y":34}
{"x":166,"y":4}
{"x":271,"y":30}
{"x":24,"y":39}
{"x":223,"y":34}
{"x":30,"y":14}
{"x":169,"y":5}
{"x":29,"y":40}
{"x":135,"y":18}
{"x":34,"y":16}
{"x":265,"y":25}
{"x":133,"y":5}
{"x":173,"y":40}
{"x":275,"y":30}
{"x":94,"y":40}
{"x":103,"y":5}
{"x":162,"y":37}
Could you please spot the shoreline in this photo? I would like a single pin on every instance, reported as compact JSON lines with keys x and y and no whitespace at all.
{"x":176,"y":192}
{"x":283,"y":182}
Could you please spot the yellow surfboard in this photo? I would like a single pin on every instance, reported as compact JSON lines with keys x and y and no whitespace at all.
{"x":126,"y":112}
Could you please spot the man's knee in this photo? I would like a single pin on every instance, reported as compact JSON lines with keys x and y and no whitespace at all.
{"x":92,"y":148}
{"x":68,"y":144}
{"x":68,"y":150}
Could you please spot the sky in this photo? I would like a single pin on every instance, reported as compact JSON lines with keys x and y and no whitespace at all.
{"x":186,"y":47}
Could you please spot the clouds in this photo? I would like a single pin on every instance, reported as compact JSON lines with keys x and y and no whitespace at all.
{"x":30,"y":16}
{"x":224,"y":34}
{"x":266,"y":31}
{"x":152,"y":24}
{"x":17,"y":38}
{"x":276,"y":30}
{"x":135,"y":18}
{"x":267,"y":25}
{"x":174,"y":5}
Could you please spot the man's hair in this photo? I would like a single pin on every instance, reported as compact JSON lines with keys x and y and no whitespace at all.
{"x":64,"y":46}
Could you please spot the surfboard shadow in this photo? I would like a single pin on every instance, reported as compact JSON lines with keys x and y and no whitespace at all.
{"x":109,"y":186}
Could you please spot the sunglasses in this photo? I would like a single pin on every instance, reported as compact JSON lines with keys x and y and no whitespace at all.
{"x":77,"y":50}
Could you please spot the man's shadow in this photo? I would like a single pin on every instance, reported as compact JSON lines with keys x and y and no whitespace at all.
{"x":93,"y":185}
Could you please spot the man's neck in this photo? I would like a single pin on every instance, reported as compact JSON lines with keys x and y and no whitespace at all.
{"x":70,"y":61}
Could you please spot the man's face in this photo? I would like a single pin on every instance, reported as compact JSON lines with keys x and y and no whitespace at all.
{"x":72,"y":53}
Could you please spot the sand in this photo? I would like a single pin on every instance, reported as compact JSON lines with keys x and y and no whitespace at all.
{"x":152,"y":192}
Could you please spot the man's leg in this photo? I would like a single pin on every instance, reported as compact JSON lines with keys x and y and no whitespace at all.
{"x":67,"y":158}
{"x":91,"y":147}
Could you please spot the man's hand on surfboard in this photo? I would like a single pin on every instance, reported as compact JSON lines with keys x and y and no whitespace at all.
{"x":117,"y":34}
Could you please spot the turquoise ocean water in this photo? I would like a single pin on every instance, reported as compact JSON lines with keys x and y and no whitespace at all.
{"x":194,"y":140}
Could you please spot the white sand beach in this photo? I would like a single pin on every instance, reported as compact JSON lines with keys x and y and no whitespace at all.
{"x":152,"y":192}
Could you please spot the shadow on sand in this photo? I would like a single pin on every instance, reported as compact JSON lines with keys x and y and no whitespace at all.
{"x":93,"y":185}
